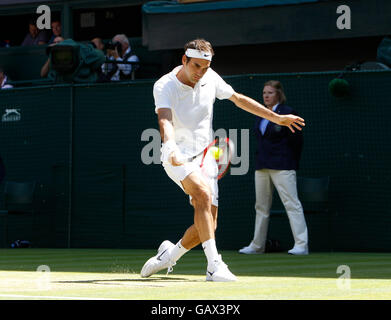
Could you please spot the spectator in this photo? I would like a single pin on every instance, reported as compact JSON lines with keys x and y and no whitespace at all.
{"x":3,"y":80}
{"x":56,"y":30}
{"x":35,"y":36}
{"x":46,"y":67}
{"x":98,"y":43}
{"x":120,"y":51}
{"x":278,"y":156}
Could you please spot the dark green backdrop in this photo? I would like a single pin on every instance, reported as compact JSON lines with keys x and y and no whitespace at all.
{"x":82,"y":144}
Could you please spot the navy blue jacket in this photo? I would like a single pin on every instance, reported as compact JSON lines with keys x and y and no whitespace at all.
{"x":278,"y":148}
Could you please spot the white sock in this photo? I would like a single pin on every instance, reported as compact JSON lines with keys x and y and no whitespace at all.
{"x":177,"y":251}
{"x":210,"y":250}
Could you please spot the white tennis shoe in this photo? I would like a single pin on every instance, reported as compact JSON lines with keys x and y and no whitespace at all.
{"x":219,"y":272}
{"x":250,"y":250}
{"x":160,"y":261}
{"x":298,"y":251}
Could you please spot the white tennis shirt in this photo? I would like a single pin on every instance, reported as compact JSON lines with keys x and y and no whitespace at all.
{"x":192,"y":108}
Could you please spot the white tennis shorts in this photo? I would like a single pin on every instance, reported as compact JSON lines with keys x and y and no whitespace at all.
{"x":208,"y":173}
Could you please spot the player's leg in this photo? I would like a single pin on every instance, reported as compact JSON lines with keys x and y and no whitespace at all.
{"x":263,"y":201}
{"x":286,"y":185}
{"x":194,"y":185}
{"x":214,"y":209}
{"x":201,"y":195}
{"x":191,"y":238}
{"x":168,"y":253}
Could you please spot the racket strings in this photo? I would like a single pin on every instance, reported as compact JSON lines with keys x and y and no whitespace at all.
{"x":221,"y":151}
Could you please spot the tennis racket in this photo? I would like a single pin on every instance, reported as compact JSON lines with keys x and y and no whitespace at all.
{"x":220,"y":150}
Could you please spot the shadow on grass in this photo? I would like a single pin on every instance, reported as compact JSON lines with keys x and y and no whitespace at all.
{"x":148,"y":281}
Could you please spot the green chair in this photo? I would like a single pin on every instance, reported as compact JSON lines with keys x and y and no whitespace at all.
{"x":314,"y":197}
{"x":18,"y":199}
{"x":313,"y":194}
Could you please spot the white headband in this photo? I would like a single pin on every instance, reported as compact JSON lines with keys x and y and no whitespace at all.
{"x":194,"y":53}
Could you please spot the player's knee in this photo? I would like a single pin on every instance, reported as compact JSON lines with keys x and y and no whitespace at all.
{"x":202,"y":196}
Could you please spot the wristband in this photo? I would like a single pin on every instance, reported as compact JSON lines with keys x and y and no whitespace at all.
{"x":167,"y":148}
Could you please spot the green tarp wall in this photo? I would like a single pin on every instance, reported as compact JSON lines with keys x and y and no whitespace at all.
{"x":82,"y":144}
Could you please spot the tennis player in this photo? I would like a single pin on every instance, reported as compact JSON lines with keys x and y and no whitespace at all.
{"x":184,"y":105}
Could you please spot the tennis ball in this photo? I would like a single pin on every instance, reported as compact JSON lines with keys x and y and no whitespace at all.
{"x":216,"y":152}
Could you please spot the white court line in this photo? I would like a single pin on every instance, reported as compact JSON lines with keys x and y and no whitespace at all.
{"x":50,"y":297}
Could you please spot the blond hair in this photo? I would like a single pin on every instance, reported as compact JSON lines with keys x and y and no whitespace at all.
{"x":279,"y":88}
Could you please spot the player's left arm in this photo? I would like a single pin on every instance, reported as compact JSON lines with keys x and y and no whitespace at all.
{"x":250,"y":105}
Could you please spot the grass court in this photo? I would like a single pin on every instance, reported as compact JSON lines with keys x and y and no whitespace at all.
{"x":93,"y":274}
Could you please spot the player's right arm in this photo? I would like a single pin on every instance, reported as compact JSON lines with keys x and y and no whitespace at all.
{"x":168,"y":136}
